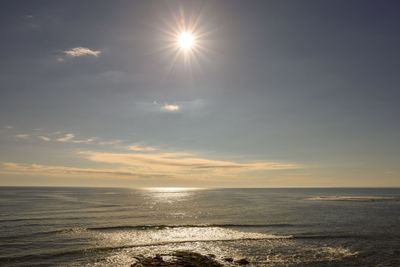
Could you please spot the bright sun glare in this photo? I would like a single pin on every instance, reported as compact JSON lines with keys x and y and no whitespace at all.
{"x":186,"y":40}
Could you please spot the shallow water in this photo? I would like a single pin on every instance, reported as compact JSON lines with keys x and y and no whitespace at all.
{"x":269,"y":227}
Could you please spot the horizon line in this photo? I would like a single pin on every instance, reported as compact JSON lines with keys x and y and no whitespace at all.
{"x":204,"y":188}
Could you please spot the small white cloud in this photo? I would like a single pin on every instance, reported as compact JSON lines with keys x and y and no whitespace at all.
{"x":22,"y":136}
{"x":138,"y":148}
{"x":70,"y":138}
{"x":29,"y":16}
{"x":9,"y":127}
{"x":170,"y":108}
{"x":85,"y":141}
{"x":62,"y":137}
{"x":190,"y":107}
{"x":44,"y":138}
{"x":31,"y":21}
{"x":109,"y":142}
{"x":67,"y":137}
{"x":81,"y":52}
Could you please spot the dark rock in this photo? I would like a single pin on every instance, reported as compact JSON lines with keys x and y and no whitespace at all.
{"x":228,"y":259}
{"x":179,"y":259}
{"x":242,"y":262}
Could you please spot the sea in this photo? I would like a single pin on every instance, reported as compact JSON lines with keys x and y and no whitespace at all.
{"x":49,"y":226}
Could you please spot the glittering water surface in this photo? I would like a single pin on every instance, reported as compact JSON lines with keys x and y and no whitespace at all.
{"x":269,"y":227}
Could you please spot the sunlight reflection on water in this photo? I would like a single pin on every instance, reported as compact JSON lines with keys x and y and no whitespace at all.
{"x":263,"y":249}
{"x":170,"y":194}
{"x":179,"y":234}
{"x":110,"y":227}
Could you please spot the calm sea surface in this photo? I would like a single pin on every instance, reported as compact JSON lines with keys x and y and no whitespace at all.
{"x":269,"y":227}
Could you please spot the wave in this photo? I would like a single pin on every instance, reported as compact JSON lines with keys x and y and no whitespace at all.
{"x":40,"y":219}
{"x":270,"y":236}
{"x":75,"y":230}
{"x":167,"y":226}
{"x":86,"y":251}
{"x":354,"y":198}
{"x":333,"y":236}
{"x":79,"y":230}
{"x":43,"y":233}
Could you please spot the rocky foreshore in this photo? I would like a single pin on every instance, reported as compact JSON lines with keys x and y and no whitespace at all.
{"x":186,"y":259}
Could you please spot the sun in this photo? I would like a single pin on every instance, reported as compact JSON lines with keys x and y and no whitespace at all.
{"x":186,"y":41}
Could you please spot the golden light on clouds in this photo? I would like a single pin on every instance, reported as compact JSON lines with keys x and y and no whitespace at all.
{"x":140,"y":164}
{"x":12,"y":167}
{"x":142,"y":161}
{"x":181,"y":164}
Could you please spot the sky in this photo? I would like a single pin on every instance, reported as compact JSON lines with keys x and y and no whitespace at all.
{"x":273,"y":93}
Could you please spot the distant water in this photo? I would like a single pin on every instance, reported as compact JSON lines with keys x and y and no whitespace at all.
{"x":269,"y":227}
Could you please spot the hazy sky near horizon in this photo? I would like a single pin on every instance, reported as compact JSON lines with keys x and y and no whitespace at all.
{"x":281,"y":93}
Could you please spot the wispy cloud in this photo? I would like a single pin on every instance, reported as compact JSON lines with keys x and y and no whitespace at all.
{"x":175,"y":165}
{"x":22,"y":136}
{"x":145,"y":161}
{"x":71,"y":138}
{"x":82,"y":52}
{"x":31,"y":21}
{"x":44,"y":138}
{"x":67,"y":138}
{"x":109,"y":142}
{"x":28,"y":16}
{"x":192,"y":106}
{"x":62,"y":170}
{"x":142,"y":148}
{"x":180,"y":163}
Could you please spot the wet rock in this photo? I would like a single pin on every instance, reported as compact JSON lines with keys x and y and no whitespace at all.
{"x":242,"y":262}
{"x":158,"y":257}
{"x":178,"y":259}
{"x":228,"y":259}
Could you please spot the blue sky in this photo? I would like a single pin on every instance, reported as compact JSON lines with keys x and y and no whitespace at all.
{"x":278,"y":93}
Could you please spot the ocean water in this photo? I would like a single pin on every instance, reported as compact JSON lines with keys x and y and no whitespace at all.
{"x":269,"y":227}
